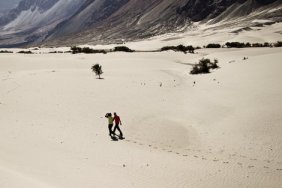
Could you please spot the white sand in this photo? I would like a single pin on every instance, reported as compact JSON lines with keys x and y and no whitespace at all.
{"x":224,"y":131}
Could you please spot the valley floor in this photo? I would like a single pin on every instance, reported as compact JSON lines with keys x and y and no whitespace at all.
{"x":217,"y":130}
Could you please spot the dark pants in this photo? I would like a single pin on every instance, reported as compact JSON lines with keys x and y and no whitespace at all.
{"x":117,"y":128}
{"x":110,"y":129}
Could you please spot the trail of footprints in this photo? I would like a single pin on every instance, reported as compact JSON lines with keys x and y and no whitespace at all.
{"x":232,"y":158}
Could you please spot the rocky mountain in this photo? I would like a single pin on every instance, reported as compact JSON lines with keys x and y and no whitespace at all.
{"x":32,"y":20}
{"x":66,"y":22}
{"x":26,"y":5}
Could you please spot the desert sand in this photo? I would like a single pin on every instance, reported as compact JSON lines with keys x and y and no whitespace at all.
{"x":221,"y":129}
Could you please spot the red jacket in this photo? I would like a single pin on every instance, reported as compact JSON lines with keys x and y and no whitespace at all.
{"x":117,"y":120}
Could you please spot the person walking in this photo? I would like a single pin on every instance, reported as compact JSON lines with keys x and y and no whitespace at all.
{"x":110,"y":124}
{"x":117,"y":123}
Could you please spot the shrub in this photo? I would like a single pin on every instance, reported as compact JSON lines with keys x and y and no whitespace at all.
{"x":204,"y":66}
{"x":56,"y":52}
{"x":122,"y":49}
{"x":97,"y":69}
{"x":235,"y":45}
{"x":257,"y":45}
{"x":86,"y":50}
{"x":213,"y":45}
{"x":179,"y":48}
{"x":214,"y":64}
{"x":266,"y":44}
{"x":247,"y":45}
{"x":25,"y":52}
{"x":190,"y":49}
{"x":5,"y":52}
{"x":166,"y":48}
{"x":278,"y":44}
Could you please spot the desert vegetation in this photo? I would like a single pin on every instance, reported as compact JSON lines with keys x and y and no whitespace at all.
{"x":213,"y":45}
{"x":179,"y":48}
{"x":278,"y":44}
{"x":5,"y":52}
{"x":204,"y":66}
{"x":60,"y":52}
{"x":249,"y":45}
{"x":97,"y":69}
{"x":25,"y":52}
{"x":86,"y":50}
{"x":123,"y":49}
{"x":244,"y":45}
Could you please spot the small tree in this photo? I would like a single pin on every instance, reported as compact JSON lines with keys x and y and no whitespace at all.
{"x":97,"y":69}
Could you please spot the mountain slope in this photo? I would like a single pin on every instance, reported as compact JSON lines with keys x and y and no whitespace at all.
{"x":67,"y":22}
{"x":90,"y":13}
{"x":27,"y":5}
{"x":141,"y":19}
{"x":33,"y":19}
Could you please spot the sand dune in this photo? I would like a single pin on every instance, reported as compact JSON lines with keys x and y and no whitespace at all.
{"x":222,"y":131}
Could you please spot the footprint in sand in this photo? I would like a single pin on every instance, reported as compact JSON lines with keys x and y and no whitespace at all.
{"x":251,"y":166}
{"x":225,"y":162}
{"x":185,"y":155}
{"x":240,"y":164}
{"x":196,"y":156}
{"x":215,"y":160}
{"x":265,"y":167}
{"x":279,"y":169}
{"x":253,"y":159}
{"x":169,"y":151}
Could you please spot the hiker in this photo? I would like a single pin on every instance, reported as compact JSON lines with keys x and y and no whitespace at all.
{"x":117,"y":123}
{"x":110,"y":120}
